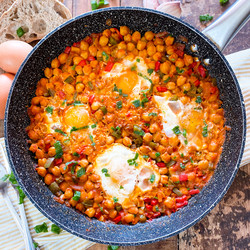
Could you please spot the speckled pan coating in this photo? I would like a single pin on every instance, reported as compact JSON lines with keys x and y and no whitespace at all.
{"x":17,"y":120}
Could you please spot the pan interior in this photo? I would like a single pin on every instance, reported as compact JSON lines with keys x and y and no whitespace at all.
{"x":23,"y":163}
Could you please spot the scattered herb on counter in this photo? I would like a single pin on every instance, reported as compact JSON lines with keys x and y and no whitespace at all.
{"x":43,"y":228}
{"x":95,"y":4}
{"x":55,"y":229}
{"x":223,"y":2}
{"x":113,"y":247}
{"x":20,"y":32}
{"x":206,"y":18}
{"x":35,"y":245}
{"x":21,"y":195}
{"x":49,"y":109}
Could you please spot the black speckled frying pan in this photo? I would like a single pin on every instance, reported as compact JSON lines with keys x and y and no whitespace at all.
{"x":23,"y":89}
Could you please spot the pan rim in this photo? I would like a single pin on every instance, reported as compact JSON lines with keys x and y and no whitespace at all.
{"x":220,"y":196}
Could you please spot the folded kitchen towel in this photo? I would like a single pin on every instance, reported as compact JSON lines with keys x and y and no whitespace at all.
{"x":11,"y":238}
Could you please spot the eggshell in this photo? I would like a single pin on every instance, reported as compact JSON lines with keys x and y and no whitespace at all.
{"x":12,"y":54}
{"x":5,"y":84}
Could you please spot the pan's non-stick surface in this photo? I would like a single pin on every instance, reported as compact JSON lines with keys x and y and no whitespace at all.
{"x":17,"y":120}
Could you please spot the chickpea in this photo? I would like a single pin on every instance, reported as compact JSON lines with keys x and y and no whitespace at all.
{"x":79,"y":206}
{"x":110,"y":140}
{"x":103,"y":41}
{"x":143,"y":53}
{"x":129,"y":218}
{"x":133,"y":210}
{"x":186,"y":87}
{"x":127,"y":141}
{"x":165,"y":157}
{"x":157,"y":137}
{"x":122,"y":45}
{"x":169,"y":202}
{"x":83,"y":163}
{"x":92,"y":50}
{"x":109,"y":204}
{"x":87,"y":69}
{"x":170,"y":50}
{"x":163,"y":170}
{"x":157,"y":56}
{"x":39,"y":154}
{"x":179,"y":63}
{"x":62,"y":58}
{"x":79,"y":87}
{"x":181,"y":80}
{"x":154,"y":128}
{"x":124,"y":30}
{"x":107,"y":33}
{"x":188,"y":59}
{"x":33,"y":148}
{"x":149,"y":35}
{"x":75,"y":50}
{"x":169,"y":40}
{"x":72,"y":202}
{"x":135,"y":52}
{"x":96,"y":105}
{"x":90,"y":212}
{"x":64,"y":169}
{"x":85,"y":54}
{"x":41,"y":162}
{"x":173,"y":57}
{"x":127,"y":38}
{"x":160,"y":48}
{"x":93,"y":63}
{"x":99,"y":115}
{"x":48,"y":179}
{"x":136,"y":36}
{"x":89,"y":185}
{"x":98,"y":199}
{"x":173,"y":141}
{"x":171,"y":85}
{"x":211,"y":156}
{"x":68,"y":193}
{"x":151,"y":50}
{"x":141,"y":45}
{"x":121,"y":53}
{"x":94,"y":177}
{"x":216,"y":118}
{"x":130,"y":46}
{"x":147,"y":137}
{"x":213,"y":146}
{"x":112,"y":213}
{"x":56,"y":171}
{"x":52,"y":151}
{"x":191,"y":176}
{"x":69,"y":89}
{"x":41,"y":171}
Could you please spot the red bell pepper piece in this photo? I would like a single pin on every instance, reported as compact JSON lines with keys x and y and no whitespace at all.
{"x":98,"y":215}
{"x":81,"y":149}
{"x":181,"y":199}
{"x":61,"y":94}
{"x":202,"y":71}
{"x":91,"y":58}
{"x":189,"y":72}
{"x":91,"y":99}
{"x":117,"y":219}
{"x":161,"y":89}
{"x":82,"y":63}
{"x":191,"y":66}
{"x":179,"y":205}
{"x":154,"y":202}
{"x":88,"y":40}
{"x":67,"y":50}
{"x":183,"y":177}
{"x":147,"y":200}
{"x":149,"y":207}
{"x":47,"y":146}
{"x":119,"y":34}
{"x":109,"y":66}
{"x":194,"y":191}
{"x":179,"y":53}
{"x":161,"y":164}
{"x":157,"y":65}
{"x":197,"y":83}
{"x":58,"y":161}
{"x":76,"y":44}
{"x":157,"y":214}
{"x":213,"y":90}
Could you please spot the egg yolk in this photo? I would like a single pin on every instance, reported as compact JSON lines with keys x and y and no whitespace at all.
{"x":191,"y":120}
{"x":127,"y":82}
{"x":77,"y":117}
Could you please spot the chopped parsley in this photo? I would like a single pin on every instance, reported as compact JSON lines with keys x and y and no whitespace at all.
{"x":157,"y":209}
{"x":205,"y":130}
{"x":20,"y":32}
{"x":152,"y":114}
{"x":59,"y":151}
{"x":90,"y":85}
{"x":55,"y":229}
{"x":138,"y":59}
{"x":43,"y":228}
{"x":5,"y":177}
{"x":145,"y":156}
{"x":98,"y":4}
{"x":77,"y":196}
{"x":93,"y":125}
{"x":105,"y":55}
{"x":105,"y":171}
{"x":150,"y":71}
{"x":76,"y":154}
{"x":121,"y":187}
{"x":73,"y":67}
{"x":133,"y":161}
{"x":115,"y":88}
{"x":133,"y":68}
{"x":206,"y":18}
{"x":222,"y":2}
{"x":92,"y":140}
{"x":152,"y":178}
{"x":182,"y":155}
{"x":157,"y":154}
{"x":80,"y":172}
{"x":182,"y":165}
{"x":136,"y":103}
{"x":116,"y":132}
{"x":110,"y":247}
{"x":75,"y":129}
{"x":49,"y":109}
{"x":184,"y":132}
{"x":138,"y":130}
{"x":77,"y":103}
{"x":101,"y":208}
{"x":104,"y":110}
{"x":115,"y":200}
{"x":167,"y":80}
{"x":198,"y":99}
{"x":191,"y":160}
{"x":176,"y":130}
{"x":179,"y":71}
{"x":60,"y":132}
{"x":119,"y":104}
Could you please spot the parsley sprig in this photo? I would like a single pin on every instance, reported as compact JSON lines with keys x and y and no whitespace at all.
{"x":133,"y":161}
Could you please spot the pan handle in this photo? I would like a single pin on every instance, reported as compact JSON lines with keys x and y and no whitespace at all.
{"x":223,"y":30}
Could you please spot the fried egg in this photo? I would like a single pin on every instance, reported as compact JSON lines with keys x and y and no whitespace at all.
{"x":187,"y":117}
{"x":125,"y":174}
{"x":130,"y":76}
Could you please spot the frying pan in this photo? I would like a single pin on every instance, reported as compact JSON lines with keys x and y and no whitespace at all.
{"x":23,"y":89}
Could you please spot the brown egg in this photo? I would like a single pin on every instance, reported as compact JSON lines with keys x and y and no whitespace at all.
{"x":13,"y":54}
{"x":5,"y":84}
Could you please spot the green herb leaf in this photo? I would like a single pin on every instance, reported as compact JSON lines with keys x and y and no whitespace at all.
{"x":179,"y":71}
{"x":182,"y":165}
{"x":96,"y":5}
{"x":113,"y":247}
{"x":157,"y":154}
{"x":150,"y":71}
{"x":43,"y":228}
{"x":115,"y":88}
{"x":115,"y":200}
{"x":138,"y":130}
{"x":133,"y":68}
{"x":90,"y":85}
{"x":49,"y":109}
{"x":71,"y":162}
{"x":101,"y":208}
{"x":145,"y":156}
{"x":104,"y":170}
{"x":136,"y":103}
{"x":35,"y":245}
{"x":185,"y":141}
{"x":157,"y":209}
{"x":78,"y":103}
{"x":205,"y":130}
{"x":76,"y":154}
{"x":138,"y":59}
{"x":93,"y":125}
{"x":21,"y":195}
{"x":12,"y":178}
{"x":176,"y":130}
{"x":152,"y":114}
{"x":121,"y":187}
{"x":92,"y":140}
{"x":60,"y":132}
{"x":191,"y":160}
{"x":73,"y":67}
{"x":106,"y":56}
{"x":152,"y":178}
{"x":104,"y":110}
{"x":77,"y":196}
{"x":55,"y":229}
{"x":184,"y":132}
{"x":76,"y":129}
{"x":182,"y":155}
{"x":20,"y":32}
{"x":119,"y":104}
{"x":222,"y":2}
{"x":5,"y":177}
{"x":167,"y":80}
{"x":133,"y":161}
{"x":198,"y":99}
{"x":116,"y":132}
{"x":59,"y":151}
{"x":205,"y":18}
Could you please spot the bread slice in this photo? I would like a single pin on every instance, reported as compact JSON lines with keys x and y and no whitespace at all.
{"x":36,"y":18}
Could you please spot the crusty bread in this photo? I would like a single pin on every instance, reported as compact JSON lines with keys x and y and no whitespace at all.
{"x":36,"y":18}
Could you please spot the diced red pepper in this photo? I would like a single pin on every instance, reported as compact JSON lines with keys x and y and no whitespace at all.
{"x":179,"y":53}
{"x":98,"y":215}
{"x":119,"y":34}
{"x":202,"y":71}
{"x":179,"y":205}
{"x":128,"y":114}
{"x":81,"y":149}
{"x":194,"y":191}
{"x":191,"y":66}
{"x":157,"y":65}
{"x":147,"y":200}
{"x":154,"y":202}
{"x":213,"y":90}
{"x":47,"y":146}
{"x":157,"y":214}
{"x":183,"y":177}
{"x":58,"y":161}
{"x":161,"y":164}
{"x":189,"y":72}
{"x":109,"y":66}
{"x":91,"y":99}
{"x":67,"y":50}
{"x":180,"y":46}
{"x":88,"y":40}
{"x":149,"y":207}
{"x":161,"y":88}
{"x":91,"y":58}
{"x":181,"y":199}
{"x":117,"y":219}
{"x":197,"y":83}
{"x":61,"y":94}
{"x":76,"y":44}
{"x":148,"y":215}
{"x":82,"y":63}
